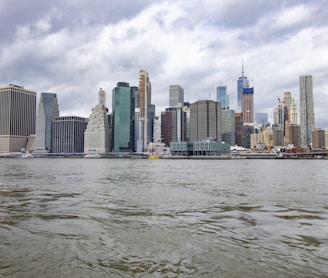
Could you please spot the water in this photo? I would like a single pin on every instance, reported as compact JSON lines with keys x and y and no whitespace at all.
{"x":66,"y":217}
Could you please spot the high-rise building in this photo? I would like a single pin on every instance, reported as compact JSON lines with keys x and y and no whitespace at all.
{"x":47,"y":110}
{"x":292,"y":113}
{"x":242,"y":83}
{"x":307,"y":121}
{"x":68,"y":134}
{"x":222,"y":97}
{"x":318,"y":138}
{"x":228,"y":126}
{"x":17,"y":117}
{"x":294,"y":135}
{"x":123,"y":107}
{"x":238,"y":128}
{"x":176,"y":96}
{"x":205,"y":121}
{"x":144,"y":101}
{"x":173,"y":125}
{"x":97,"y":133}
{"x":248,"y":105}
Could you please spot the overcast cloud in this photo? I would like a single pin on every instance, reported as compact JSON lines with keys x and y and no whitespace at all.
{"x":74,"y":47}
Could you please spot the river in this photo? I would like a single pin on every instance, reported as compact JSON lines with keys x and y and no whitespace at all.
{"x":75,"y":217}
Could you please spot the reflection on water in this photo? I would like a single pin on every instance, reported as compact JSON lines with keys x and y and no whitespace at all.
{"x":163,"y":218}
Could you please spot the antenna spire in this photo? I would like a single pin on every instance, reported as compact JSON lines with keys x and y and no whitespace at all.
{"x":242,"y":67}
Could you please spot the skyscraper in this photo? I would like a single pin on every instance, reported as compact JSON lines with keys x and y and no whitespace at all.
{"x":17,"y":117}
{"x":222,"y":97}
{"x":97,"y":133}
{"x":68,"y":134}
{"x":176,"y":96}
{"x":228,"y":126}
{"x":144,"y":101}
{"x":47,"y":110}
{"x":123,"y":106}
{"x":173,"y":125}
{"x":205,"y":120}
{"x":307,"y":121}
{"x":242,"y":82}
{"x":248,"y":105}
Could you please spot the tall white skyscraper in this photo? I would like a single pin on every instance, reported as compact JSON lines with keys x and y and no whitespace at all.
{"x":97,"y":133}
{"x":307,"y":121}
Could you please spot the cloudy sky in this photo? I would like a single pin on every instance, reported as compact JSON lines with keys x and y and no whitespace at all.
{"x":75,"y":47}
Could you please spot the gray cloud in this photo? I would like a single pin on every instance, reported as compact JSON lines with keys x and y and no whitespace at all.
{"x":73,"y":48}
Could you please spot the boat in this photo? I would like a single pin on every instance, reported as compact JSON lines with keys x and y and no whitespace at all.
{"x":92,"y":155}
{"x":154,"y":156}
{"x":26,"y":155}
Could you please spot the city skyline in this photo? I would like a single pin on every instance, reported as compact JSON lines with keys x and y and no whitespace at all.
{"x":199,"y":46}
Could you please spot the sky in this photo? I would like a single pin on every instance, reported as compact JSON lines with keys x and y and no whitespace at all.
{"x":75,"y":47}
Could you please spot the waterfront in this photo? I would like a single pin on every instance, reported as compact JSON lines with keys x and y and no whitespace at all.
{"x":163,"y":218}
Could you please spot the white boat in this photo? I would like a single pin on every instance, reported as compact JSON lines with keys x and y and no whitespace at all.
{"x":92,"y":155}
{"x":26,"y":155}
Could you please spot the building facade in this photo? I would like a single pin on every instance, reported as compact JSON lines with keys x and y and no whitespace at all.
{"x":242,"y":83}
{"x":68,"y":134}
{"x":176,"y":96}
{"x":205,"y":121}
{"x":248,"y":105}
{"x":47,"y":110}
{"x":318,"y":139}
{"x":173,"y":125}
{"x":123,"y":107}
{"x":307,"y":121}
{"x":97,"y":134}
{"x":17,"y":117}
{"x":222,"y":96}
{"x":144,"y":101}
{"x":228,"y":126}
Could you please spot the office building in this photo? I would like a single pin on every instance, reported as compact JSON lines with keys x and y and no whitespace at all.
{"x":242,"y":83}
{"x":278,"y":137}
{"x":222,"y":96}
{"x":68,"y":134}
{"x":144,"y":101}
{"x":228,"y":126}
{"x":123,"y":108}
{"x":176,"y":96}
{"x":248,"y":105}
{"x":17,"y":117}
{"x":238,"y":128}
{"x":318,"y":139}
{"x":307,"y":120}
{"x":205,"y":121}
{"x":47,"y":110}
{"x":173,"y":125}
{"x":97,"y":134}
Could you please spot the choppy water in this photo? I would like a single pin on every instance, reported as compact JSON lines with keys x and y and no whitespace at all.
{"x":163,"y":218}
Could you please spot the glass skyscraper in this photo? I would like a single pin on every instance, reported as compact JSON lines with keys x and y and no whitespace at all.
{"x":47,"y":110}
{"x":222,"y":97}
{"x":123,"y":106}
{"x":307,"y":121}
{"x":242,"y":83}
